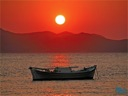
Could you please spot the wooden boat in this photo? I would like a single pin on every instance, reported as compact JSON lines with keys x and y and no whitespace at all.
{"x":62,"y":73}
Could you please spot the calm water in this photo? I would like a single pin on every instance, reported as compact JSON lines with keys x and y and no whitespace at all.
{"x":16,"y":78}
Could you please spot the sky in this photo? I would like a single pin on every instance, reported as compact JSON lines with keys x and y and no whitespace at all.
{"x":104,"y":17}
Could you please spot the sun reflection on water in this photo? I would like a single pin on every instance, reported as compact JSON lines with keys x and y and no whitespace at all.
{"x":60,"y":60}
{"x":61,"y":95}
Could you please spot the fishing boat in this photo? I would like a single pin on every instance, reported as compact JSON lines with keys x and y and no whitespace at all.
{"x":62,"y":73}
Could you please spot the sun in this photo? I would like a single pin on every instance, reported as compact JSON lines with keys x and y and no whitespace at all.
{"x":60,"y":19}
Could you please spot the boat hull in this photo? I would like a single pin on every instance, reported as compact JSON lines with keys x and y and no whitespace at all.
{"x":76,"y":75}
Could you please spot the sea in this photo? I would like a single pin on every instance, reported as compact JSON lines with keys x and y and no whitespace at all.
{"x":111,"y":76}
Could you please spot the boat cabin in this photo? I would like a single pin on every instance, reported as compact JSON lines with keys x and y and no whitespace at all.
{"x":63,"y":70}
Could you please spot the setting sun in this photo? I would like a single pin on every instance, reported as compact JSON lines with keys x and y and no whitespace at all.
{"x":60,"y":19}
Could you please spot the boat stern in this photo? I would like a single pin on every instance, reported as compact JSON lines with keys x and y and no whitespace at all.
{"x":35,"y":75}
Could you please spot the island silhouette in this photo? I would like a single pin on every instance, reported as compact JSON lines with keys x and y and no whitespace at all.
{"x":50,"y":42}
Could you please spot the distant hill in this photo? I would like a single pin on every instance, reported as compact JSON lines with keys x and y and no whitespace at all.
{"x":63,"y":42}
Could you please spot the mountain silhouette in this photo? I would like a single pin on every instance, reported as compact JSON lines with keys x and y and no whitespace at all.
{"x":39,"y":42}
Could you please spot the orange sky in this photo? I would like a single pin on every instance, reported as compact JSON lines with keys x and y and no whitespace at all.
{"x":104,"y":17}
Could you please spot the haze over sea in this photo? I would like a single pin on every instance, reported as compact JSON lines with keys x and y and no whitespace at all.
{"x":110,"y":78}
